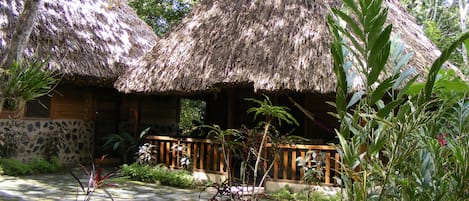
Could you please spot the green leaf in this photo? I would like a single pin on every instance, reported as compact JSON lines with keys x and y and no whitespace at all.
{"x":379,"y":92}
{"x":389,"y":108}
{"x":402,"y":62}
{"x":353,"y":6}
{"x":403,"y":76}
{"x":466,"y":45}
{"x":405,"y":90}
{"x":350,"y":22}
{"x":374,"y":28}
{"x":338,"y":58}
{"x":116,"y":146}
{"x":355,"y":98}
{"x":439,"y":62}
{"x":379,"y":55}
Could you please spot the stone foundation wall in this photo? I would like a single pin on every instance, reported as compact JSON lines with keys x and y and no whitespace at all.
{"x":71,"y":140}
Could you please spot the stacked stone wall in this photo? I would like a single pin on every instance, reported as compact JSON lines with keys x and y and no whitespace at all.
{"x":70,"y":140}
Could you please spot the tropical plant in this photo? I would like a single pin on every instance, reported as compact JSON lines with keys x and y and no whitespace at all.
{"x":443,"y":21}
{"x":249,"y":145}
{"x":96,"y":179}
{"x":146,"y":154}
{"x":24,"y":82}
{"x":158,"y":174}
{"x":224,"y":191}
{"x":228,"y":144}
{"x":313,"y":166}
{"x":15,"y":167}
{"x":123,"y":143}
{"x":185,"y":159}
{"x":287,"y":194}
{"x":386,"y":138}
{"x":191,"y":116}
{"x":271,"y":113}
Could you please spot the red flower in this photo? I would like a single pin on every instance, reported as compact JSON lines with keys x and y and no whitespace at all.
{"x":441,"y":139}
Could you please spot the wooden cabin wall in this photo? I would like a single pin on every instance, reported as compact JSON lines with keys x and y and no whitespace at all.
{"x":217,"y":109}
{"x":283,"y":100}
{"x":228,"y":109}
{"x":322,"y":129}
{"x":160,"y":113}
{"x":72,"y":102}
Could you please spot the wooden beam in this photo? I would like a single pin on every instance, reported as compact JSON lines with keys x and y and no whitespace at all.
{"x":230,"y":118}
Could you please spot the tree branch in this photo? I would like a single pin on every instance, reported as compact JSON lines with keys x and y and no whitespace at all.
{"x":23,"y":30}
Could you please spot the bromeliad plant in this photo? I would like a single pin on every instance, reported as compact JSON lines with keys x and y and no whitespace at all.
{"x":96,"y":179}
{"x":23,"y":81}
{"x":387,"y":138}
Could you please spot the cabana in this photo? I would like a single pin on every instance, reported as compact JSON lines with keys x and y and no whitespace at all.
{"x":89,"y":44}
{"x":225,"y":51}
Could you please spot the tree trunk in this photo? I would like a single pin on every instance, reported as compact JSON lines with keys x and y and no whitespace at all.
{"x":20,"y":38}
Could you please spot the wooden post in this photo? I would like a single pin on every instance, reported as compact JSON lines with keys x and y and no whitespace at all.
{"x":285,"y":164}
{"x":230,"y":117}
{"x":222,"y":163}
{"x":336,"y":164}
{"x":194,"y":158}
{"x":209,"y":158}
{"x":302,"y":171}
{"x":167,"y":151}
{"x":173,"y":154}
{"x":293,"y":164}
{"x":162,"y":155}
{"x":202,"y":157}
{"x":328,"y":168}
{"x":215,"y":157}
{"x":276,"y":164}
{"x":189,"y":152}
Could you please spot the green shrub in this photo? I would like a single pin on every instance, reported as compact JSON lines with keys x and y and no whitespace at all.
{"x":159,"y":173}
{"x":283,"y":194}
{"x":395,"y":144}
{"x":14,"y":167}
{"x":286,"y":194}
{"x":43,"y":166}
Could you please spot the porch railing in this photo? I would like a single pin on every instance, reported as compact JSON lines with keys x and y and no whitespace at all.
{"x":206,"y":156}
{"x":286,"y":167}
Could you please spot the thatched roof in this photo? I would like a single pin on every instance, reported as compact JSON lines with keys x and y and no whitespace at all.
{"x":89,"y":41}
{"x":275,"y":45}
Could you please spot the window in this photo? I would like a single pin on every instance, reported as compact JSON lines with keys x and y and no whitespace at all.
{"x":38,"y":108}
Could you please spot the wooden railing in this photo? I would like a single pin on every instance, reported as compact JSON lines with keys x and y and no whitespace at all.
{"x":207,"y":156}
{"x":286,"y":168}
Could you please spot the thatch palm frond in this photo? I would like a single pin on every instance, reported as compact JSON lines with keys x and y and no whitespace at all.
{"x":280,"y":45}
{"x":89,"y":41}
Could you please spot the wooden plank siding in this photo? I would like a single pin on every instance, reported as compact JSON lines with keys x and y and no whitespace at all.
{"x":72,"y":102}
